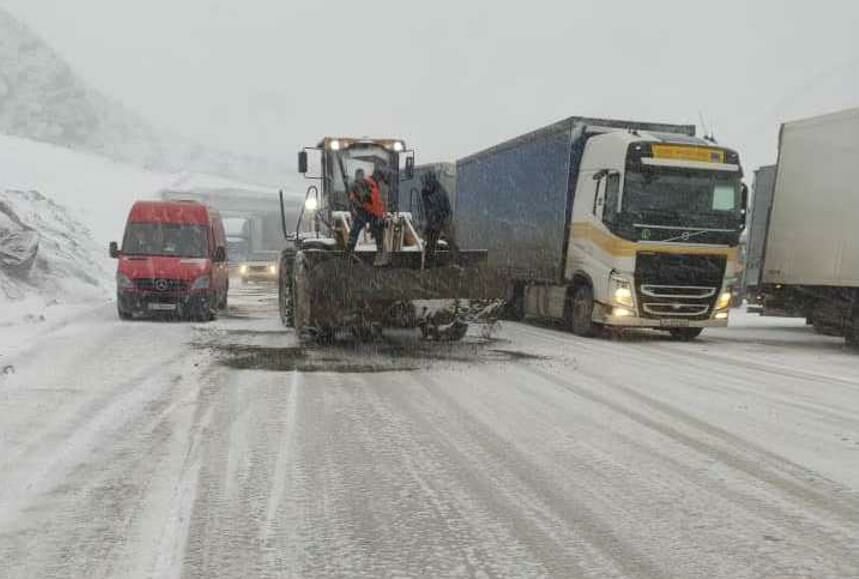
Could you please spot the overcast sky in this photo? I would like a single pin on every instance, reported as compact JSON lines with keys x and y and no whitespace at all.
{"x":453,"y":76}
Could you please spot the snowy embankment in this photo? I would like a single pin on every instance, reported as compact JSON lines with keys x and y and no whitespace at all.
{"x":58,"y":210}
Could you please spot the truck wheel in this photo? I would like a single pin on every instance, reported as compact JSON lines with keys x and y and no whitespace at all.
{"x":685,"y":334}
{"x":851,"y":335}
{"x":123,"y":315}
{"x":514,"y":309}
{"x":581,"y":312}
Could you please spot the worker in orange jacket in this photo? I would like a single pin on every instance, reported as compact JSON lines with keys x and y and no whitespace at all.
{"x":368,"y":208}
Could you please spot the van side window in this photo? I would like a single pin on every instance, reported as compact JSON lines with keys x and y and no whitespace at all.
{"x":612,"y":194}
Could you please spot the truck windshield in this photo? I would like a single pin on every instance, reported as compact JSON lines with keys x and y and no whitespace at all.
{"x":165,"y":239}
{"x":343,"y":167}
{"x":682,"y":198}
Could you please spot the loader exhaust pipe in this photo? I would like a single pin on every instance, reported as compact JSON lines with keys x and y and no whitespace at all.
{"x":283,"y":215}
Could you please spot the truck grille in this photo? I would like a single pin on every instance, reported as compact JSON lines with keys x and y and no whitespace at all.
{"x":672,"y":285}
{"x":161,"y":285}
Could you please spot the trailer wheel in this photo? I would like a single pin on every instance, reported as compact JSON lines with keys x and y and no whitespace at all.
{"x":581,"y":311}
{"x":685,"y":334}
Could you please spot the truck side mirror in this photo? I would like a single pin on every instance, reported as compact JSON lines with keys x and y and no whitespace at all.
{"x":744,"y":205}
{"x":410,"y":167}
{"x":302,"y":162}
{"x":114,"y":250}
{"x":220,"y":254}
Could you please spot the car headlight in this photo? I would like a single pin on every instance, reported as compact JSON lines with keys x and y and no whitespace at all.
{"x":725,"y":300}
{"x":243,"y":268}
{"x":621,"y":291}
{"x":201,"y":283}
{"x":123,"y":282}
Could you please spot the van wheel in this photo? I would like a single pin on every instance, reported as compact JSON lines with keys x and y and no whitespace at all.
{"x":581,"y":312}
{"x":685,"y":334}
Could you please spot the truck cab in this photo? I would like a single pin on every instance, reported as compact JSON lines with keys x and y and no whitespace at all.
{"x":172,"y":261}
{"x":655,"y":230}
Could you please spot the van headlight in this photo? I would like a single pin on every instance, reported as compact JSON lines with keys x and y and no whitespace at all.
{"x":123,"y":282}
{"x":621,"y":291}
{"x":201,"y":283}
{"x":725,"y":299}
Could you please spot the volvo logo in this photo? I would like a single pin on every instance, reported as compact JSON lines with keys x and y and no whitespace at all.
{"x":161,"y":285}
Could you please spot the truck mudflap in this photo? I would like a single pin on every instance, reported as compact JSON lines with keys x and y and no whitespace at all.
{"x":333,"y":289}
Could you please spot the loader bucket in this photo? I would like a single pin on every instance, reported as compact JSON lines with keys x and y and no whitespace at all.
{"x":332,"y":286}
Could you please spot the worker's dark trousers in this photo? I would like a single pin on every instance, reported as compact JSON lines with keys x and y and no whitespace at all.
{"x":444,"y":231}
{"x":360,"y":219}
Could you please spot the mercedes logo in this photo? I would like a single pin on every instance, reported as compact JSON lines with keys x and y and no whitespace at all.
{"x":161,"y":285}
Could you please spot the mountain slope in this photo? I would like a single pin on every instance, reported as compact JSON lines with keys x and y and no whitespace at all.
{"x":41,"y":98}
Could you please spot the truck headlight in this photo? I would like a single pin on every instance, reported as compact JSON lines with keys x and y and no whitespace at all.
{"x":123,"y":282}
{"x":243,"y":269}
{"x":621,"y":291}
{"x":725,"y":300}
{"x":201,"y":283}
{"x":272,"y":269}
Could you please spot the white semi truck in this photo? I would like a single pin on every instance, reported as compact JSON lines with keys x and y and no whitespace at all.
{"x":810,"y":263}
{"x":609,"y":223}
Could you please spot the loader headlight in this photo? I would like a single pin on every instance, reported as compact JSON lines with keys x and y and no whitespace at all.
{"x":201,"y":283}
{"x":397,"y":146}
{"x":725,"y":300}
{"x":311,"y":204}
{"x":334,"y":145}
{"x":621,"y":291}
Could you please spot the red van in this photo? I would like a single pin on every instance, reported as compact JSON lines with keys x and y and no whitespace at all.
{"x":173,"y":261}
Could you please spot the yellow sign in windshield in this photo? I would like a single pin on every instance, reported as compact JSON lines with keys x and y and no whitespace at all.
{"x":685,"y":153}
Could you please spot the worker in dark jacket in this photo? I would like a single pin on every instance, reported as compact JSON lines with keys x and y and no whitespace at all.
{"x":368,"y":208}
{"x":438,"y":216}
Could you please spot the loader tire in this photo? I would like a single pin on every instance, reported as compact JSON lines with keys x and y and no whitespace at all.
{"x":581,"y":311}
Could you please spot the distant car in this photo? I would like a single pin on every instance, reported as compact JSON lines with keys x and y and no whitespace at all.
{"x":173,"y":260}
{"x":259,"y":268}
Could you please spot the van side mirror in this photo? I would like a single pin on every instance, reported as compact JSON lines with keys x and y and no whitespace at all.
{"x":114,"y":250}
{"x":220,"y":254}
{"x":410,"y":167}
{"x":302,"y":162}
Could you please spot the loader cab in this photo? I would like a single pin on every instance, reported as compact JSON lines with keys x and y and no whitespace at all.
{"x":339,"y":162}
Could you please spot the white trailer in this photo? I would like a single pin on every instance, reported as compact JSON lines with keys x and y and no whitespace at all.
{"x":811,"y":257}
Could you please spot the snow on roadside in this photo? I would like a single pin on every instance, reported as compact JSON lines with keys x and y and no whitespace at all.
{"x":97,"y":191}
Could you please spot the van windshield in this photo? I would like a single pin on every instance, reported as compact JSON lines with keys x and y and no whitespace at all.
{"x":165,"y":239}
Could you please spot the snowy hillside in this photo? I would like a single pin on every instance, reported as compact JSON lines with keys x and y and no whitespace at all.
{"x":97,"y":191}
{"x":41,"y":98}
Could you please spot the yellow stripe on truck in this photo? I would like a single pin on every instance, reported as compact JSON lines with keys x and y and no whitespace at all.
{"x":686,"y":153}
{"x":617,"y":247}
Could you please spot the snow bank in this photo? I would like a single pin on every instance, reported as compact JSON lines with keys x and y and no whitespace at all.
{"x":69,"y":264}
{"x":96,"y":190}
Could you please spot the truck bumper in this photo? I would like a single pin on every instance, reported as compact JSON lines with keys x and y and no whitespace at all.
{"x":603,"y":315}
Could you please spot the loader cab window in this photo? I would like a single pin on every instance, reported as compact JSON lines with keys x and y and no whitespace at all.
{"x":343,"y":166}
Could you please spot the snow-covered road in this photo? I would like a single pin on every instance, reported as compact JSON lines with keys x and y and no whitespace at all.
{"x":225,"y":450}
